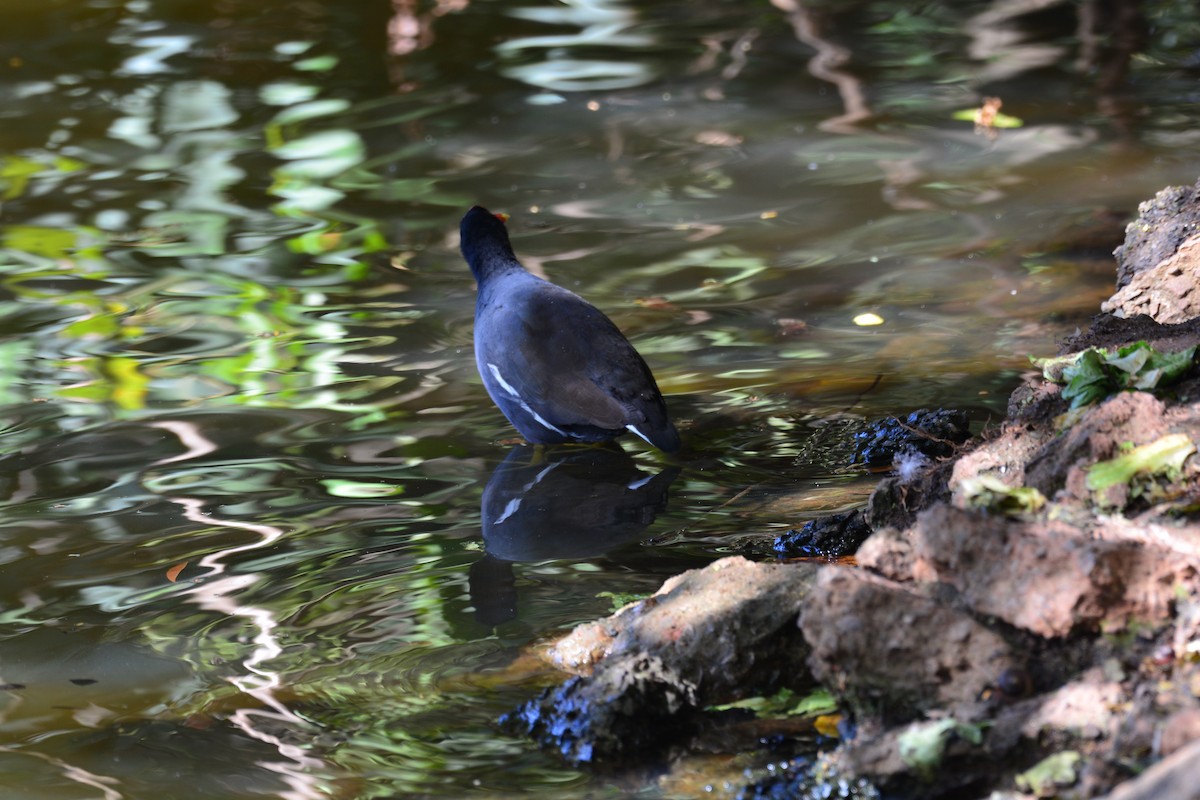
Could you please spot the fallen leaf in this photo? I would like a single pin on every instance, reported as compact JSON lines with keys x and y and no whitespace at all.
{"x":655,"y":302}
{"x":827,"y":725}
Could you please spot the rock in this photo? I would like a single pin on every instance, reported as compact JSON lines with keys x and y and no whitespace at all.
{"x":827,"y":537}
{"x":625,"y":713}
{"x":898,"y":498}
{"x":934,"y":434}
{"x":707,"y":636}
{"x":894,"y":653}
{"x":1179,"y":730}
{"x":1034,"y":402}
{"x":1176,"y":777}
{"x":1062,"y":463}
{"x":1163,"y":224}
{"x":1110,"y":332}
{"x":1167,"y":293}
{"x":800,"y":780}
{"x":1043,"y":576}
{"x":889,"y":552}
{"x":1081,"y":708}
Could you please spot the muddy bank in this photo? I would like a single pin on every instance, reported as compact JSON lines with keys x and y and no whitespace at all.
{"x":1024,"y":620}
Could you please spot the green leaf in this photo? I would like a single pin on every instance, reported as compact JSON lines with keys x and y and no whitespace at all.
{"x":1048,"y":775}
{"x":989,"y":493}
{"x":1094,"y":374}
{"x":923,"y":745}
{"x":819,"y":701}
{"x":1086,"y":380}
{"x":998,"y":121}
{"x":1162,"y":457}
{"x":622,"y":599}
{"x":784,"y":704}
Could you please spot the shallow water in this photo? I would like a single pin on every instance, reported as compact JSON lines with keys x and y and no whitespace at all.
{"x":256,"y":535}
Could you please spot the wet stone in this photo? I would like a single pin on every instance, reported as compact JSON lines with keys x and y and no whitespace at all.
{"x":616,"y":715}
{"x":827,"y":537}
{"x":933,"y":434}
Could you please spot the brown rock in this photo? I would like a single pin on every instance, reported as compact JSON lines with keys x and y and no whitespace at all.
{"x":1004,"y":456}
{"x":1163,"y":223}
{"x":890,"y":553}
{"x":716,"y":626}
{"x":1176,"y":777}
{"x":1081,"y":708}
{"x":1062,"y":464}
{"x":895,"y":653}
{"x":1044,"y":576}
{"x":707,"y":636}
{"x":1180,"y":729}
{"x":1167,"y":293}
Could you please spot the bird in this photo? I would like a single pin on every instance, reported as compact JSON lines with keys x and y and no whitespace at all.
{"x":553,"y":363}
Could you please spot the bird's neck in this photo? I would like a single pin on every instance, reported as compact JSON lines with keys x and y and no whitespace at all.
{"x":492,"y":260}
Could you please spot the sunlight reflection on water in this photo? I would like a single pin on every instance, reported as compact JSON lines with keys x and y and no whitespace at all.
{"x":602,"y":24}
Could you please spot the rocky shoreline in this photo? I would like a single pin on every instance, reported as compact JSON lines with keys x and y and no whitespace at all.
{"x":1019,"y":624}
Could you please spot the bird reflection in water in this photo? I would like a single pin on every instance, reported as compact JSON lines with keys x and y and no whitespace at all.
{"x":568,"y":502}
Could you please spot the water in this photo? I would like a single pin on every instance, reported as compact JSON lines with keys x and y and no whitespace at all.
{"x":254,"y":497}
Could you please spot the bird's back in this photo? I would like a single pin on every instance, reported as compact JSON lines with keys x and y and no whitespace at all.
{"x":549,"y":349}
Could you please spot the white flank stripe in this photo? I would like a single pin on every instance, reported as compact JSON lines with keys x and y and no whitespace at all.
{"x":506,"y":386}
{"x":503,"y":383}
{"x":633,"y":487}
{"x":640,"y":435}
{"x":538,"y":417}
{"x":509,"y":510}
{"x":543,"y":474}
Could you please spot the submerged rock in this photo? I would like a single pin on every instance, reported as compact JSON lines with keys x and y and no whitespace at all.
{"x":827,"y":537}
{"x":622,"y":713}
{"x":933,"y":434}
